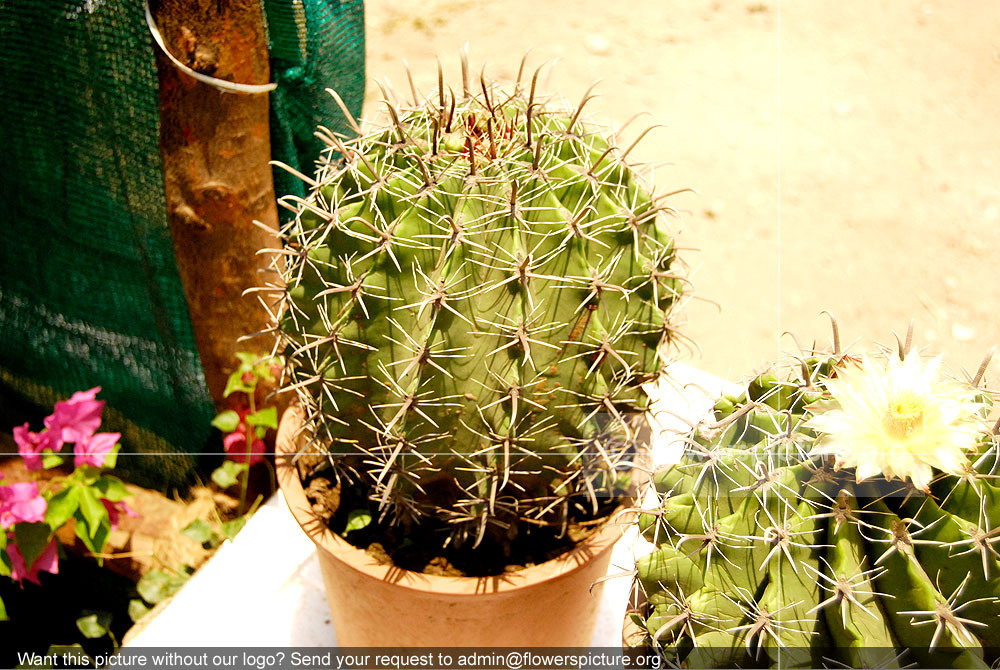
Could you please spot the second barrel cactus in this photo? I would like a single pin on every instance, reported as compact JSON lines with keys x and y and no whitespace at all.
{"x":847,"y":516}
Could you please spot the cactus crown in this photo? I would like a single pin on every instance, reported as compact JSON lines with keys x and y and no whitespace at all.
{"x":473,"y":295}
{"x":768,"y":554}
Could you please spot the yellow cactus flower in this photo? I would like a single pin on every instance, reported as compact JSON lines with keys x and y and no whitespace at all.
{"x":898,"y":420}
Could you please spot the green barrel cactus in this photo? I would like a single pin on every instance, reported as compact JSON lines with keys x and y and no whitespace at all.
{"x":473,"y":295}
{"x":846,"y":516}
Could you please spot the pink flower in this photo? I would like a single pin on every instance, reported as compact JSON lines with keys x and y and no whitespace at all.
{"x":115,"y":509}
{"x":77,"y":418}
{"x":48,"y":561}
{"x":31,"y":445}
{"x":235,"y":445}
{"x":94,"y":449}
{"x":21,"y":502}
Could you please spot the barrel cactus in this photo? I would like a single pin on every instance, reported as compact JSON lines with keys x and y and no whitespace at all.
{"x":473,"y":294}
{"x":845,"y":516}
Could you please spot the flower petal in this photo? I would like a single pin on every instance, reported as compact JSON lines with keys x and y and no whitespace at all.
{"x":31,"y":445}
{"x":48,"y":561}
{"x":77,"y":418}
{"x":866,"y":430}
{"x":94,"y":450}
{"x":20,"y":502}
{"x":235,"y":445}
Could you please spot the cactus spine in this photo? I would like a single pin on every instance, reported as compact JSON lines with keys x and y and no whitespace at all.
{"x":769,"y":555}
{"x":473,"y":295}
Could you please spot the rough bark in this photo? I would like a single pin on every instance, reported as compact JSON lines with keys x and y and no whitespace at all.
{"x":216,"y":149}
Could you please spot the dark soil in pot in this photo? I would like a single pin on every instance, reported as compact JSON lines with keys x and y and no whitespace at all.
{"x":419,"y":547}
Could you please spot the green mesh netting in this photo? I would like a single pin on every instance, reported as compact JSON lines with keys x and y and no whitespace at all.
{"x":89,"y":289}
{"x":314,"y":45}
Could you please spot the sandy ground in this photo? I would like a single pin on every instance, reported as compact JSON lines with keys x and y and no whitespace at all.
{"x":846,"y":155}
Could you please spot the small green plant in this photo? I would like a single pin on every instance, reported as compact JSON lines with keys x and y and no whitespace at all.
{"x":845,"y":516}
{"x":31,"y":512}
{"x":244,"y":430}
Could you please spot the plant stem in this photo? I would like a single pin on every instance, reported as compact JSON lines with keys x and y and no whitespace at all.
{"x":249,"y":436}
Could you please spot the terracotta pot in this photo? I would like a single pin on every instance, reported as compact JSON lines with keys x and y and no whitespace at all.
{"x":374,"y":604}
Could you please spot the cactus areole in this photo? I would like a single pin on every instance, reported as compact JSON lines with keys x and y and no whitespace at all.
{"x":473,"y":295}
{"x":846,"y":517}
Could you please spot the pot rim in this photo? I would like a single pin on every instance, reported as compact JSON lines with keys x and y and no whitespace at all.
{"x":334,"y":546}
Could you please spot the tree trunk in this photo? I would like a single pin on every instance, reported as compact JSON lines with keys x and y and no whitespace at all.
{"x":216,"y":148}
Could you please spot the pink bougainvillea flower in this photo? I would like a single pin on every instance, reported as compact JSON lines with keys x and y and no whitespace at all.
{"x":94,"y":449}
{"x":21,"y":502}
{"x":236,"y":446}
{"x":115,"y":509}
{"x":31,"y":445}
{"x":48,"y":561}
{"x":77,"y":418}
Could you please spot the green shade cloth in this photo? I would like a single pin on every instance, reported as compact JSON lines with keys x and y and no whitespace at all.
{"x":89,"y":289}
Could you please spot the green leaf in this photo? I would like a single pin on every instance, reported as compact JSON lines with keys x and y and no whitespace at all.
{"x":94,"y":624}
{"x":3,"y":611}
{"x":267,"y":417}
{"x":226,"y":421}
{"x":112,"y":488}
{"x":95,"y":540}
{"x":92,"y":510}
{"x":199,"y":531}
{"x":357,"y":520}
{"x":4,"y":558}
{"x":111,"y":460}
{"x":137,"y":609}
{"x":157,"y":585}
{"x":236,"y":384}
{"x":87,"y":474}
{"x":231,"y":528}
{"x":247,"y":358}
{"x":228,"y":473}
{"x":50,"y":461}
{"x":62,"y":506}
{"x":263,"y":368}
{"x":31,"y":539}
